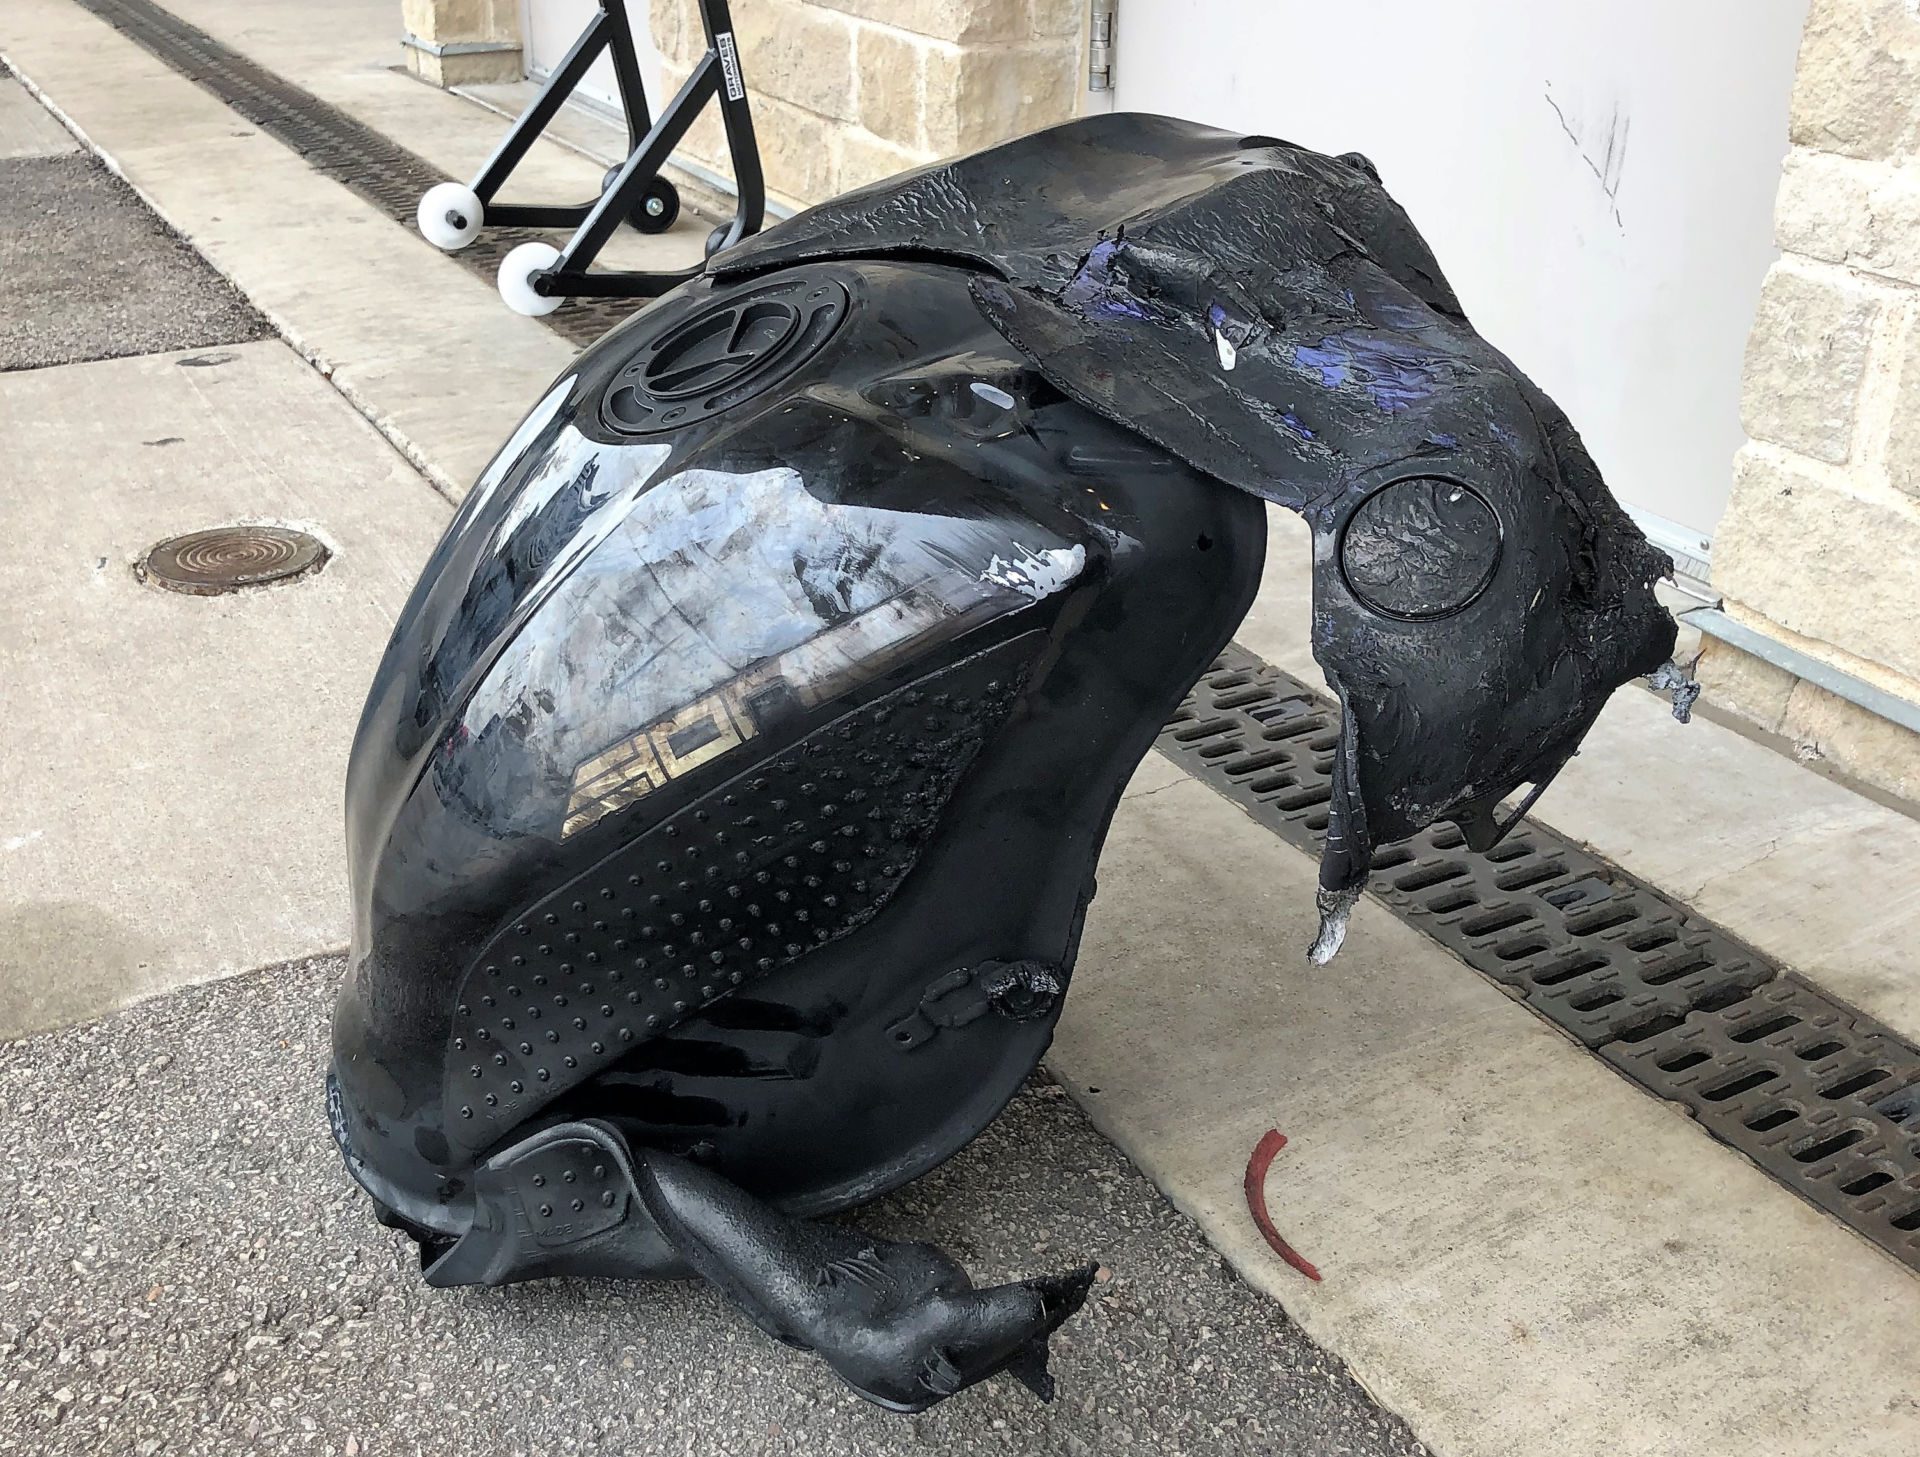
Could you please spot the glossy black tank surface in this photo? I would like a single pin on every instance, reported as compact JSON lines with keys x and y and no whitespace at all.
{"x":727,"y":805}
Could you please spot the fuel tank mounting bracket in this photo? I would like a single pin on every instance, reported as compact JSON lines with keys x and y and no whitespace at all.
{"x":1020,"y":990}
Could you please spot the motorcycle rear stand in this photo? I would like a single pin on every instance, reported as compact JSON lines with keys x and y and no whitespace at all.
{"x":715,"y":77}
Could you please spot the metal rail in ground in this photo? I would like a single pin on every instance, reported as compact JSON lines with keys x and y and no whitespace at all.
{"x":378,"y":169}
{"x":1819,"y":1095}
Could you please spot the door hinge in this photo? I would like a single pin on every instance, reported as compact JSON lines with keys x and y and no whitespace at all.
{"x":1100,"y":47}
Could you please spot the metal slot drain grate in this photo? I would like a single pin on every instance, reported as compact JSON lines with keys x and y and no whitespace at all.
{"x":1817,"y":1094}
{"x":384,"y":173}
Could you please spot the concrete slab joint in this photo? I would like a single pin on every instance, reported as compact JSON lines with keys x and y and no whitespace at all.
{"x":1821,"y":539}
{"x":28,"y":129}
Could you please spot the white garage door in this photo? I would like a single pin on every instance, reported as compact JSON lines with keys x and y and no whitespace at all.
{"x":1596,"y":178}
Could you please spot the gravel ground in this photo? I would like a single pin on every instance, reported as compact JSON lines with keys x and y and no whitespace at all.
{"x":88,"y":272}
{"x":192,"y":1271}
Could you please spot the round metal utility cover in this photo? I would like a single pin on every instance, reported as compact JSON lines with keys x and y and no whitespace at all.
{"x":734,"y":349}
{"x":227,"y":558}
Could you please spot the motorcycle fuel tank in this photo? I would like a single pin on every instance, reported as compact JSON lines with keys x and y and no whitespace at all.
{"x":1271,"y":316}
{"x":729,"y":753}
{"x":727,"y":804}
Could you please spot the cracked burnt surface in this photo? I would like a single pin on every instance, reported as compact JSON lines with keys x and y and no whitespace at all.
{"x":1273,"y":318}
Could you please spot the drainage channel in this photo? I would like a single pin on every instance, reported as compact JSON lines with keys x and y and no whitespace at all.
{"x":1819,"y":1095}
{"x":333,"y":143}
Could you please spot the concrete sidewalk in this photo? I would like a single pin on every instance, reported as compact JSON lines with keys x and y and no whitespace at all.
{"x":169,"y":799}
{"x":1524,"y":1254}
{"x":419,"y":345}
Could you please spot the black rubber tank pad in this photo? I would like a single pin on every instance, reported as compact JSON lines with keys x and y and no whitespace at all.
{"x":1272,"y":317}
{"x":782,"y":859}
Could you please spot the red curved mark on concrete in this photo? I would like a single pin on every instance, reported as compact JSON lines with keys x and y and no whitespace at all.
{"x":1271,"y":1142}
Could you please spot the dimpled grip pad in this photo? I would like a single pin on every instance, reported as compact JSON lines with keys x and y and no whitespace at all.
{"x":795,"y":852}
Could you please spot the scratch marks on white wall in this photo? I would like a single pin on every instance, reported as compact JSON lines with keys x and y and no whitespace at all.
{"x":1602,"y":148}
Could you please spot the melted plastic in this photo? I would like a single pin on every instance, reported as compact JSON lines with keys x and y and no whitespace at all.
{"x":1273,"y":318}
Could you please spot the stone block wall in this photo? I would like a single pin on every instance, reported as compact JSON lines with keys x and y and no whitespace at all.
{"x":1820,"y":545}
{"x":846,"y":92}
{"x":463,"y":42}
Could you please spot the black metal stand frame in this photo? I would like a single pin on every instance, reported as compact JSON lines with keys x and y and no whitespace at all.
{"x":715,"y":77}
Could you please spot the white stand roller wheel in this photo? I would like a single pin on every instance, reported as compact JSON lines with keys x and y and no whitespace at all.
{"x":450,"y":216}
{"x":516,"y":278}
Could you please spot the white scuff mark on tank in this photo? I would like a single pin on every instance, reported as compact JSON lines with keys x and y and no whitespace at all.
{"x":1037,"y":574}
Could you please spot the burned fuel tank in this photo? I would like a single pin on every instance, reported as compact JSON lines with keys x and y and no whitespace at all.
{"x":1270,"y":316}
{"x":727,"y":804}
{"x":738,"y":770}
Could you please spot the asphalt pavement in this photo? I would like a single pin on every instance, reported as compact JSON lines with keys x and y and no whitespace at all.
{"x":192,"y":1271}
{"x":88,"y":272}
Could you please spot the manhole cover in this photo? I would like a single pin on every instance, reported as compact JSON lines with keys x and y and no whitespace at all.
{"x":227,"y":558}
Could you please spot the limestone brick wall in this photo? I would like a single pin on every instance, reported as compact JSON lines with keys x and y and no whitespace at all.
{"x":463,"y":42}
{"x":845,"y":92}
{"x":1820,"y":545}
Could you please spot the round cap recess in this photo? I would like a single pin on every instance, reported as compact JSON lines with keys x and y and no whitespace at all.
{"x":1420,"y":548}
{"x":728,"y":352}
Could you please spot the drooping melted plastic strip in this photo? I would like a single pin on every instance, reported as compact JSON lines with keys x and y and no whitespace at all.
{"x":1271,"y":316}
